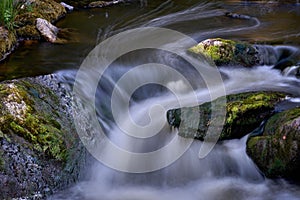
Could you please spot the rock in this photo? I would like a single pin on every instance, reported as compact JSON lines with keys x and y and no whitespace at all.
{"x":244,"y":113}
{"x":227,"y":52}
{"x":8,"y":41}
{"x":277,"y":151}
{"x":236,"y":53}
{"x":45,"y":9}
{"x":40,"y":151}
{"x":68,"y":7}
{"x":101,"y":4}
{"x":47,"y":30}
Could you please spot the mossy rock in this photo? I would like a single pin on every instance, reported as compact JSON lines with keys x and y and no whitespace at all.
{"x":40,"y":151}
{"x":227,"y":52}
{"x":45,"y":9}
{"x":22,"y":113}
{"x":8,"y":41}
{"x":243,"y":113}
{"x":28,"y":32}
{"x":277,"y":151}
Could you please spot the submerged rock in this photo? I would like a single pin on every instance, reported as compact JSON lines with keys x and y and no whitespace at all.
{"x":277,"y":151}
{"x":47,"y":30}
{"x":39,"y":149}
{"x":244,"y":113}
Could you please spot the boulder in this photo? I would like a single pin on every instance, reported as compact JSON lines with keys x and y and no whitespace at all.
{"x":277,"y":151}
{"x":227,"y":52}
{"x":47,"y":30}
{"x":244,"y":113}
{"x":40,"y":151}
{"x":236,"y":53}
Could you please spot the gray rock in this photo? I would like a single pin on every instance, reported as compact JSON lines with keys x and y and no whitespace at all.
{"x":47,"y":30}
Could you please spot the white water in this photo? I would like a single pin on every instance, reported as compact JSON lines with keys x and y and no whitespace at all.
{"x":225,"y":173}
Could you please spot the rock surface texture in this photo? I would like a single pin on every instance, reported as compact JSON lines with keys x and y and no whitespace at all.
{"x":40,"y":151}
{"x":277,"y":151}
{"x":242,"y":114}
{"x":47,"y":30}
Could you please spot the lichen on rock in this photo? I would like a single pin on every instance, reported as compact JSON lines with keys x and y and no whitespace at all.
{"x":244,"y":112}
{"x":277,"y":151}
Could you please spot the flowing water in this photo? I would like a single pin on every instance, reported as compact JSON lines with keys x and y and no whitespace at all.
{"x":133,"y":118}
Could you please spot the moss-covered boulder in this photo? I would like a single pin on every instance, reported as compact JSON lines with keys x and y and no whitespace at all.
{"x":236,"y":53}
{"x":227,"y":52}
{"x":8,"y":41}
{"x":39,"y":148}
{"x":244,"y":113}
{"x":277,"y":151}
{"x":45,"y":9}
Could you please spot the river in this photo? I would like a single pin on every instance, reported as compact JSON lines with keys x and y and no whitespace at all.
{"x":136,"y":89}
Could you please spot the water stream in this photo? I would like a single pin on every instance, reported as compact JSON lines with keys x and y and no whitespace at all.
{"x":226,"y":172}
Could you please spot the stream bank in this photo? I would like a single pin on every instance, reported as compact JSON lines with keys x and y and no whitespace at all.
{"x":28,"y":11}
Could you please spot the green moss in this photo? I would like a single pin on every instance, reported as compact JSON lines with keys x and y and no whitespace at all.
{"x":26,"y":20}
{"x":7,"y":41}
{"x":277,"y":167}
{"x":226,"y":52}
{"x":244,"y":113}
{"x":276,"y":152}
{"x":38,"y":125}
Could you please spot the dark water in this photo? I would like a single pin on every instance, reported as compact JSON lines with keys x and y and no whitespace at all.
{"x":226,"y":172}
{"x":278,"y":24}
